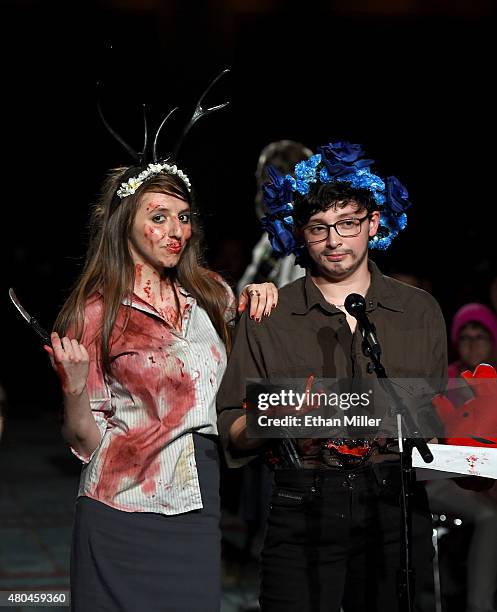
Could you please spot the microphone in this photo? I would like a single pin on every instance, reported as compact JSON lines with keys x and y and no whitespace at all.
{"x":355,"y":305}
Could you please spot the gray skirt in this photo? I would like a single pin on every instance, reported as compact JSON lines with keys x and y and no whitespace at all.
{"x":136,"y":561}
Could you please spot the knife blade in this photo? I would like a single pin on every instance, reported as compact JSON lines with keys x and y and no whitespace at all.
{"x":33,"y":323}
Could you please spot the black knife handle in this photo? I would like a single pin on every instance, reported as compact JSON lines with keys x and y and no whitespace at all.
{"x":41,"y":332}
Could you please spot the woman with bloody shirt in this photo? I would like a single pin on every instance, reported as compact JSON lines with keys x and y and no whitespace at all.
{"x":140,"y":348}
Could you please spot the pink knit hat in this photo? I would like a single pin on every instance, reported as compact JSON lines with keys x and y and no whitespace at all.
{"x":477,"y":313}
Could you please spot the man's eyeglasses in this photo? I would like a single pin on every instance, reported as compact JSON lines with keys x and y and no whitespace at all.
{"x":346,"y":228}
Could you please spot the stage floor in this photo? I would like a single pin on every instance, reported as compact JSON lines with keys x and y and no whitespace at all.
{"x":38,"y":485}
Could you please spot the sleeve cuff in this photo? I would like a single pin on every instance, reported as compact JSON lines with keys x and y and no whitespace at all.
{"x":102,"y":426}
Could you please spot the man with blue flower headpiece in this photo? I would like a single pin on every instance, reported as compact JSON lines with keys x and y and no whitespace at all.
{"x":333,"y":533}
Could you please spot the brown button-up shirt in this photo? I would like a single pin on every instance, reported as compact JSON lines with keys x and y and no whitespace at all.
{"x":307,"y":335}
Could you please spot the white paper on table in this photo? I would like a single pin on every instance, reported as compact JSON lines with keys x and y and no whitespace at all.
{"x":466,"y":460}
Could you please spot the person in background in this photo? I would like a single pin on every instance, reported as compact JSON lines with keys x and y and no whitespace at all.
{"x":473,"y":337}
{"x":265,"y":265}
{"x":474,"y":341}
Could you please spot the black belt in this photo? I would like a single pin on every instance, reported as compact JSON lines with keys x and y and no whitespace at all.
{"x":380,"y":471}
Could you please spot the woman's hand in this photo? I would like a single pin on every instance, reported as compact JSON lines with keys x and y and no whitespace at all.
{"x":71,"y":362}
{"x":262,"y":298}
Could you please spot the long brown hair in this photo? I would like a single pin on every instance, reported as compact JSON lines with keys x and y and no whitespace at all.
{"x":109,"y":266}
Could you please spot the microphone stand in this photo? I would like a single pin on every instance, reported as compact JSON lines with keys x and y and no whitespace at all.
{"x":405,"y":426}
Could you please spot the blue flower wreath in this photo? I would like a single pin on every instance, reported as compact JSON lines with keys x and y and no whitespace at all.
{"x":336,"y":161}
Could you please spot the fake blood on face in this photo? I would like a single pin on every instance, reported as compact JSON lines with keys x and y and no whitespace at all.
{"x":154,"y":234}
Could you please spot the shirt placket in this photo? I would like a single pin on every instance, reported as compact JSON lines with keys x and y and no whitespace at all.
{"x":187,"y":316}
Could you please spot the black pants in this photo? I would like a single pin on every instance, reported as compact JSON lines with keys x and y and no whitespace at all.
{"x":333,"y":540}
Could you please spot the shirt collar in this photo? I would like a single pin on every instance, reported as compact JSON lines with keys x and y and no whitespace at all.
{"x":309,"y":297}
{"x":381,"y":292}
{"x":137,"y":302}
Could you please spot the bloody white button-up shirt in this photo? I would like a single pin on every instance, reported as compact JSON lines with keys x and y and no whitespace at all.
{"x":163,"y":387}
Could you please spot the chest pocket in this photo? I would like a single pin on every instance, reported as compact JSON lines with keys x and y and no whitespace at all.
{"x":298,"y":352}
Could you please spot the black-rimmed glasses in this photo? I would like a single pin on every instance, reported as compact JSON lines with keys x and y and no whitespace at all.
{"x":346,"y":228}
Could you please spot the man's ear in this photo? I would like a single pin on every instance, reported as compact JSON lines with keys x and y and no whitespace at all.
{"x":374,"y":223}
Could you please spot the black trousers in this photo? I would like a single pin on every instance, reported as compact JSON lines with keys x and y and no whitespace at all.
{"x":333,"y":540}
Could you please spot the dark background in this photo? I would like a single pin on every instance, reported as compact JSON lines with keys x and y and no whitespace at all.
{"x":411,"y":81}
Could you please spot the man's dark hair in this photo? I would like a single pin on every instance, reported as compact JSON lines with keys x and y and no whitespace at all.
{"x":323,"y":196}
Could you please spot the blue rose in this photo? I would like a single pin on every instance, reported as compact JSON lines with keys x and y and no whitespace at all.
{"x":306,"y":171}
{"x":291,"y":181}
{"x":391,"y":224}
{"x":382,"y":244}
{"x":278,"y":192}
{"x":324,"y":175}
{"x":343,"y":157}
{"x":363,"y":179}
{"x":302,"y":187}
{"x":371,"y":181}
{"x":379,"y":197}
{"x":314,"y":160}
{"x":280,"y":234}
{"x":342,"y":152}
{"x":396,"y":195}
{"x":402,"y":221}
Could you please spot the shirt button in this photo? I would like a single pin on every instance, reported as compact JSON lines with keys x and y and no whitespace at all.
{"x":195,"y":374}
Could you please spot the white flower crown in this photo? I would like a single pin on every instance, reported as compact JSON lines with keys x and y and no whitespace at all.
{"x":133,"y":183}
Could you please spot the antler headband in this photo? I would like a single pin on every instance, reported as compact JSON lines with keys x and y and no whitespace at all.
{"x":156,"y":167}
